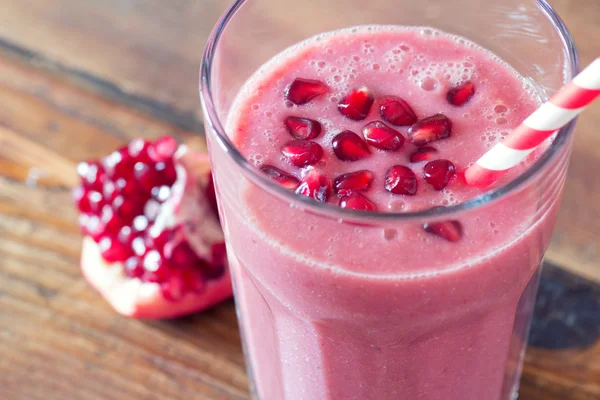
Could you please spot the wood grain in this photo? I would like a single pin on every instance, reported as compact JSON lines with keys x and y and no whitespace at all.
{"x":77,"y":79}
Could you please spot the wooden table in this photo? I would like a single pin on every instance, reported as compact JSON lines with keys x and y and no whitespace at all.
{"x":78,"y":78}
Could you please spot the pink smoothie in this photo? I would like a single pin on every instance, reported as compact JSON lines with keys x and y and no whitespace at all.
{"x":341,"y":311}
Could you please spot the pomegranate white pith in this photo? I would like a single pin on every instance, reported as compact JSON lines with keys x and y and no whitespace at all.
{"x":153,"y":245}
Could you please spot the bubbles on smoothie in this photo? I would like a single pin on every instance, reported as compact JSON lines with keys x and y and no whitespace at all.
{"x":396,"y":205}
{"x":428,"y":84}
{"x":390,"y":234}
{"x":501,"y":120}
{"x":500,"y":109}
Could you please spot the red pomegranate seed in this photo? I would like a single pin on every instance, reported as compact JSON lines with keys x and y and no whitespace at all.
{"x":163,"y":149}
{"x":357,"y":201}
{"x":283,"y":178}
{"x":382,"y":137}
{"x":113,"y":251}
{"x":460,"y":95}
{"x":156,"y":269}
{"x":182,"y":255}
{"x":401,"y":180}
{"x":193,"y":279}
{"x":348,"y":146}
{"x":81,"y":199}
{"x":173,"y":289}
{"x":138,"y":149}
{"x":96,"y":201}
{"x":167,"y":175}
{"x":358,"y":181}
{"x":315,"y":185}
{"x":429,"y":129}
{"x":92,"y":175}
{"x":302,"y":153}
{"x":357,"y":104}
{"x":302,"y":91}
{"x":94,"y":228}
{"x":303,"y":128}
{"x":452,"y":231}
{"x":134,"y":268}
{"x":438,"y":173}
{"x":111,"y":220}
{"x":397,"y":111}
{"x":423,"y":154}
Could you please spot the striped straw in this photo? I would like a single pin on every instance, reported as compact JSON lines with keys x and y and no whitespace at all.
{"x":563,"y":107}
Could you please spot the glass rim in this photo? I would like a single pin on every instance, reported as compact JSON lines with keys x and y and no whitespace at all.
{"x":213,"y":122}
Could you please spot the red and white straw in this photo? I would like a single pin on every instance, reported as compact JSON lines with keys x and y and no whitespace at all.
{"x":563,"y":107}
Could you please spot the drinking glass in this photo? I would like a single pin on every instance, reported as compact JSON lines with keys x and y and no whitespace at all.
{"x":313,"y":328}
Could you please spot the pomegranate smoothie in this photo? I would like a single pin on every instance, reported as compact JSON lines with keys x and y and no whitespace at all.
{"x":380,"y":119}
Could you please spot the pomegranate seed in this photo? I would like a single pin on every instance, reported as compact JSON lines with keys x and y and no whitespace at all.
{"x":127,"y":187}
{"x":422,"y":154}
{"x":112,"y":222}
{"x":113,"y":251}
{"x":301,"y":91}
{"x":134,"y":268}
{"x":173,"y":289}
{"x":81,"y":200}
{"x":146,"y":176}
{"x":357,"y":201}
{"x":163,"y":149}
{"x":357,"y":104}
{"x":129,"y":208}
{"x":138,"y":149}
{"x":429,"y":129}
{"x":156,"y":269}
{"x":193,"y":279}
{"x":452,"y":231}
{"x":109,"y":191}
{"x":167,"y":174}
{"x":302,"y":153}
{"x":120,"y":164}
{"x":182,"y":255}
{"x":460,"y":95}
{"x":303,"y":128}
{"x":161,"y":193}
{"x":438,"y":173}
{"x":397,"y":111}
{"x":348,"y":146}
{"x":358,"y":181}
{"x":401,"y":180}
{"x":382,"y":137}
{"x":96,"y":201}
{"x":94,"y":228}
{"x":283,"y":178}
{"x":315,"y":185}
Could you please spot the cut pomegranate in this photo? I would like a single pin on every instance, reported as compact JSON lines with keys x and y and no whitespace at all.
{"x":401,"y":180}
{"x":423,"y":154}
{"x":348,"y":146}
{"x":303,"y":128}
{"x":359,"y":181}
{"x":357,"y":201}
{"x":283,"y":178}
{"x":438,"y":173}
{"x":315,"y":185}
{"x":429,"y":129}
{"x":396,"y":111}
{"x":149,"y":225}
{"x":302,"y":91}
{"x":357,"y":104}
{"x":302,"y":153}
{"x":382,"y":137}
{"x":452,"y":231}
{"x":460,"y":95}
